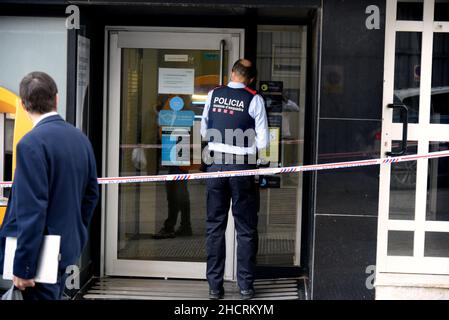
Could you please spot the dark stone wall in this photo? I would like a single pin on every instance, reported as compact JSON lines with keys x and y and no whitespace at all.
{"x":345,"y":218}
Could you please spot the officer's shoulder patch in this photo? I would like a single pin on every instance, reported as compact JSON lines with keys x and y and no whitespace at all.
{"x":253,"y":92}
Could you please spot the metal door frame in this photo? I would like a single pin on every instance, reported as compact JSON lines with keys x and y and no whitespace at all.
{"x":164,"y":38}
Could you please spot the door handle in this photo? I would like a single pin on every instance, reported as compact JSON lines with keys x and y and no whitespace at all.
{"x":404,"y":116}
{"x":222,"y":53}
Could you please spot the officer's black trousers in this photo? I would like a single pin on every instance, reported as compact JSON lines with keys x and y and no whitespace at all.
{"x":244,"y":194}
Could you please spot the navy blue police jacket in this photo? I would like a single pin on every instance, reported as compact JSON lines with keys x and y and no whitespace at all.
{"x":54,"y":192}
{"x":229,"y":110}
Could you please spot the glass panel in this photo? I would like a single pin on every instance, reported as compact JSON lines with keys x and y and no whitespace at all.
{"x":403,"y":185}
{"x":8,"y":143}
{"x":410,"y":10}
{"x":34,"y":43}
{"x":149,"y":208}
{"x":407,"y":74}
{"x":281,"y":64}
{"x":400,"y":243}
{"x":439,"y":110}
{"x":277,"y":222}
{"x":438,"y":185}
{"x":441,"y":10}
{"x":436,"y":244}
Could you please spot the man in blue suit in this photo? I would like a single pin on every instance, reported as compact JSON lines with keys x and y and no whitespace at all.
{"x":55,"y":190}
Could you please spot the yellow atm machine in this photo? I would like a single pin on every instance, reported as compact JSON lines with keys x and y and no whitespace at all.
{"x":10,"y":103}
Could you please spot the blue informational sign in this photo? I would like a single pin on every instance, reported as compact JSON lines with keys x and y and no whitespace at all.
{"x":176,"y":103}
{"x":175,"y":146}
{"x":176,"y":125}
{"x":269,"y":182}
{"x":176,"y":118}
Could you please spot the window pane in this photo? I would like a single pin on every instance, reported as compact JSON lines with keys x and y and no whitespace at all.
{"x":436,"y":244}
{"x":33,"y":43}
{"x":439,"y":111}
{"x":400,"y":243}
{"x":403,"y":185}
{"x":438,"y":185}
{"x":410,"y":10}
{"x":147,"y":209}
{"x":407,"y":74}
{"x":442,"y":10}
{"x":281,"y":65}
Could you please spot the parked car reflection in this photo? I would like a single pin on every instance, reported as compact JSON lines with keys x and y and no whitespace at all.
{"x":404,"y":174}
{"x":439,"y":108}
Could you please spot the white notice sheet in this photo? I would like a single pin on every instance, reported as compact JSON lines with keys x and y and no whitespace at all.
{"x":176,"y":81}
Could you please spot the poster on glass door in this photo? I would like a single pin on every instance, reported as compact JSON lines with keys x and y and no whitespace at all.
{"x":176,"y":81}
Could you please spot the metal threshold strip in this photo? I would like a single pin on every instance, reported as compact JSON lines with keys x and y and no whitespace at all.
{"x":176,"y":289}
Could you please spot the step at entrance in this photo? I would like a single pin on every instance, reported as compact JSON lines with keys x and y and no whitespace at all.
{"x":176,"y":289}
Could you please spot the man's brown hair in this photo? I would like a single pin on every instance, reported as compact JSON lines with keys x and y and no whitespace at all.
{"x":38,"y":92}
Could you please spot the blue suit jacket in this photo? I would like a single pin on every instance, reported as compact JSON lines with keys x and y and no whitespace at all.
{"x":55,"y":191}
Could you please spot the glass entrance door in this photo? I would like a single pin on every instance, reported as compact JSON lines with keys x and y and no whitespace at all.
{"x":413,"y":212}
{"x":282,"y":69}
{"x":158,"y":229}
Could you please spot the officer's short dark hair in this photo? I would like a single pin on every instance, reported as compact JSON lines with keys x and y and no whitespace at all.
{"x":246,"y":72}
{"x":38,"y":92}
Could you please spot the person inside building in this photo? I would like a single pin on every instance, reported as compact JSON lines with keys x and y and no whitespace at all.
{"x":178,"y":201}
{"x":177,"y":193}
{"x":235,"y":123}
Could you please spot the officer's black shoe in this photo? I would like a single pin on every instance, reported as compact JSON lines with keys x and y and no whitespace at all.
{"x":164,"y":234}
{"x":184,"y":232}
{"x":247,"y":294}
{"x":216,"y":294}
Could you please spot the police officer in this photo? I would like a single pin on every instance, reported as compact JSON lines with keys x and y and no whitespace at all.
{"x":235,"y":124}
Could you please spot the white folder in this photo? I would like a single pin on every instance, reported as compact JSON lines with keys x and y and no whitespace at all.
{"x":47,"y":266}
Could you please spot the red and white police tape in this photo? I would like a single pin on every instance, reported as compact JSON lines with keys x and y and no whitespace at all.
{"x":263,"y":171}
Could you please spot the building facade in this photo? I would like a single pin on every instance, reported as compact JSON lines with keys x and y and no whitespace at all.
{"x":342,"y":80}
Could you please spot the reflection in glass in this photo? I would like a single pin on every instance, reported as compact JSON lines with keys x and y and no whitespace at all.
{"x":438,"y":185}
{"x":410,"y":10}
{"x":407,"y":74}
{"x":436,"y":244}
{"x":403,"y":185}
{"x":439,"y":110}
{"x":400,"y":243}
{"x":160,"y":221}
